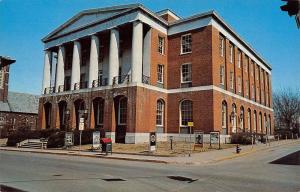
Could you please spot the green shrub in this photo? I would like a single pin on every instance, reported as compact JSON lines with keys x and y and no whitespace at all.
{"x":56,"y":140}
{"x":241,"y":138}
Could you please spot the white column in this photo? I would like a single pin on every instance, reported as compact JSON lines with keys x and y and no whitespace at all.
{"x":137,"y":52}
{"x":75,"y":77}
{"x":47,"y":72}
{"x":147,"y":54}
{"x":113,"y":67}
{"x":93,"y":69}
{"x":60,"y":69}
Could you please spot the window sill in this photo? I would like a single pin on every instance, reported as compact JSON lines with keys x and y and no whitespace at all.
{"x":185,"y":53}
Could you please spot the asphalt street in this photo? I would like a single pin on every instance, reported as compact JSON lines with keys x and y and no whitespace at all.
{"x":252,"y":172}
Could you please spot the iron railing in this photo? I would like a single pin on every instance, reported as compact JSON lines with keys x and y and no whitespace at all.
{"x":100,"y":82}
{"x":146,"y":79}
{"x":49,"y":90}
{"x":121,"y":79}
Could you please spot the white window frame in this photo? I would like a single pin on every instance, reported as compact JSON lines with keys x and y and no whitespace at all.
{"x":231,"y":53}
{"x":231,"y":80}
{"x":160,"y":73}
{"x":248,"y":121}
{"x":239,"y":58}
{"x":221,"y":44}
{"x":239,"y":84}
{"x":222,"y":74}
{"x":119,"y":111}
{"x":190,"y":71}
{"x":254,"y":122}
{"x":181,"y":44}
{"x":180,"y":112}
{"x":160,"y":112}
{"x":161,"y":45}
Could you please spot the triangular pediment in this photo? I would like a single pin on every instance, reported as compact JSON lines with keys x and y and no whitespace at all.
{"x":88,"y":17}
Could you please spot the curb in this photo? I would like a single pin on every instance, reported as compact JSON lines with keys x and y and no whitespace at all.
{"x":87,"y":155}
{"x":250,"y":151}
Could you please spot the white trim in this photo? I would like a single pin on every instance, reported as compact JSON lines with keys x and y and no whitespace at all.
{"x":187,"y":34}
{"x":167,"y":11}
{"x":181,"y":74}
{"x":167,"y":91}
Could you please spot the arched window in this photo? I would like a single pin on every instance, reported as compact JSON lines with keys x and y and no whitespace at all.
{"x":186,"y":114}
{"x":98,"y":104}
{"x":224,"y":117}
{"x":122,"y":111}
{"x":248,"y":129}
{"x":265,"y":124}
{"x":269,"y":125}
{"x":160,"y":113}
{"x":233,"y":118}
{"x":254,"y":122}
{"x":260,"y":123}
{"x":242,"y":117}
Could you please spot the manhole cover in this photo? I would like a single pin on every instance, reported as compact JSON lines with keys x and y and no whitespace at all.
{"x":180,"y":178}
{"x":5,"y":188}
{"x":57,"y":175}
{"x":114,"y":179}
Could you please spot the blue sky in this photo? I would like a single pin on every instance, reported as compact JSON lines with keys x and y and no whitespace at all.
{"x":262,"y":24}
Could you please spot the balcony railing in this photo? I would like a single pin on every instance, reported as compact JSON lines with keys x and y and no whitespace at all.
{"x":146,"y":79}
{"x":49,"y":90}
{"x":61,"y":88}
{"x":100,"y":82}
{"x":121,"y":79}
{"x":83,"y":84}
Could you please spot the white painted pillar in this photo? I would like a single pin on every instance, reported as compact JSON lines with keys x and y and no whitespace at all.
{"x":75,"y":77}
{"x":47,"y":72}
{"x":93,"y":68}
{"x":147,"y":54}
{"x":113,"y":67}
{"x":60,"y":69}
{"x":137,"y":52}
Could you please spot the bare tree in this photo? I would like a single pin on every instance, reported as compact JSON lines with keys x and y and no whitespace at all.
{"x":286,"y":104}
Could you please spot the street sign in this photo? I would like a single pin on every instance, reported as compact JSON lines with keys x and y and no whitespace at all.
{"x":190,"y":124}
{"x":96,"y":139}
{"x":81,"y":124}
{"x":152,"y":139}
{"x":69,"y":139}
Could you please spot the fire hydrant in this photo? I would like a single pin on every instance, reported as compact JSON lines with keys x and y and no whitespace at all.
{"x":238,"y":149}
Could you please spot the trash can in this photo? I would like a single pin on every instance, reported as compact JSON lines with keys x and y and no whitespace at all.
{"x":106,"y":145}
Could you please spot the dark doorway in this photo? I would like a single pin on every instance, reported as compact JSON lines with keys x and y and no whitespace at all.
{"x":48,"y":116}
{"x":120,"y":103}
{"x":62,"y":106}
{"x":98,"y":104}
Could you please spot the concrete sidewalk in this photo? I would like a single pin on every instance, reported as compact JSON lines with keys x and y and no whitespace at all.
{"x":194,"y":159}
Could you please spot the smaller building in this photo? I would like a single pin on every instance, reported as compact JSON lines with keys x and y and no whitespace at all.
{"x":16,"y":109}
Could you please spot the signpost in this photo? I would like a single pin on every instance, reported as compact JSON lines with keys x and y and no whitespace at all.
{"x":215,"y":138}
{"x":81,"y":128}
{"x":190,"y":125}
{"x":96,"y":139}
{"x":152,"y":140}
{"x":69,"y":139}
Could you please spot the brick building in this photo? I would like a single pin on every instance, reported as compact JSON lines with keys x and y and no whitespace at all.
{"x":16,"y":109}
{"x":133,"y":71}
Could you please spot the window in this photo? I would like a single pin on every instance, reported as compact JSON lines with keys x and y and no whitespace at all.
{"x":186,"y":112}
{"x":122,"y":111}
{"x":186,"y":73}
{"x":221,"y":45}
{"x":257,"y":94}
{"x":160,"y":113}
{"x":239,"y":85}
{"x":186,"y":43}
{"x":254,"y":122}
{"x":231,"y":80}
{"x":242,"y":119}
{"x":231,"y":53}
{"x":260,"y":122}
{"x":262,"y":96}
{"x":247,"y":88}
{"x":252,"y":68}
{"x":233,"y":119}
{"x":248,"y":121}
{"x":239,"y":59}
{"x":99,"y":110}
{"x":1,"y":78}
{"x":252,"y":92}
{"x":246,"y":64}
{"x":222,"y":76}
{"x":256,"y":73}
{"x":160,"y":74}
{"x":224,"y":118}
{"x":161,"y":45}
